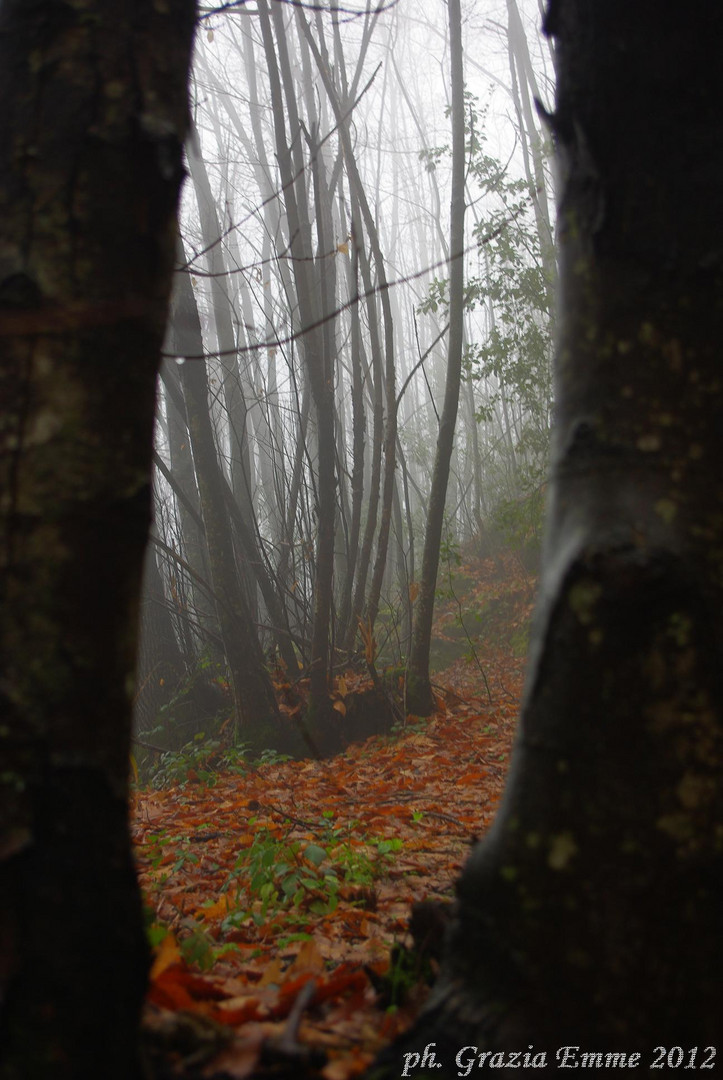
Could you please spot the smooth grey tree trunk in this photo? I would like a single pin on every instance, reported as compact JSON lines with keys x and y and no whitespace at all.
{"x":419,"y":690}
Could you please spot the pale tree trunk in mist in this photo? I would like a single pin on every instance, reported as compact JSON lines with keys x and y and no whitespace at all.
{"x":359,"y":197}
{"x":188,"y":508}
{"x":375,"y":470}
{"x":186,"y":338}
{"x":590,"y":916}
{"x":253,"y":695}
{"x":91,"y":134}
{"x":419,"y":690}
{"x":317,"y":360}
{"x":160,"y":667}
{"x":221,"y":284}
{"x":358,"y":439}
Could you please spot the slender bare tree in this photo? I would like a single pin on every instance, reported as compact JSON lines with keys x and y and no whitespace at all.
{"x":419,"y":690}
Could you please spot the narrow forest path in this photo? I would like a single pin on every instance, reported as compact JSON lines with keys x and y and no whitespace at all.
{"x":281,"y":896}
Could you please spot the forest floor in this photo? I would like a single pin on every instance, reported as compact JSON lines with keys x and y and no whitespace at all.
{"x":279,"y":895}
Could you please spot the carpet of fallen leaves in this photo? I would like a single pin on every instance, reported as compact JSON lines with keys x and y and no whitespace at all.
{"x":299,"y":989}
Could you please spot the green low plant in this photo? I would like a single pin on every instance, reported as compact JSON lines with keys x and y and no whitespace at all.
{"x":281,"y":874}
{"x":295,"y":877}
{"x":200,"y":949}
{"x":201,"y":759}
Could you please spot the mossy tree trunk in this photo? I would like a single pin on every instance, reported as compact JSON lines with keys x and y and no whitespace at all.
{"x":591,"y":914}
{"x":91,"y":134}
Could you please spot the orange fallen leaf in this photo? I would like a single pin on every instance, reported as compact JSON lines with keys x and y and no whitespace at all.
{"x":219,"y":910}
{"x":167,"y":953}
{"x":308,"y":959}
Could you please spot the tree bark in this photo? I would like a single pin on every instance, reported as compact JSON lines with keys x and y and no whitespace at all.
{"x":358,"y":440}
{"x":419,"y":689}
{"x":359,"y":198}
{"x":220,"y":288}
{"x":91,"y":136}
{"x":160,"y":669}
{"x":253,"y":695}
{"x":591,"y":914}
{"x":188,"y":514}
{"x":375,"y":375}
{"x":318,"y":365}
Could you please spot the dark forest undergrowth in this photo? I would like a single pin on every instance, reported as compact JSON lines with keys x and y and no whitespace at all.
{"x":296,"y":908}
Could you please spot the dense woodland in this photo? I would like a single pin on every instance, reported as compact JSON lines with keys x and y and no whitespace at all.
{"x":306,"y":402}
{"x":321,"y":308}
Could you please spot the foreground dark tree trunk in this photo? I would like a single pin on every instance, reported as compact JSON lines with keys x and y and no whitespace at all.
{"x":91,"y":134}
{"x":591,"y":915}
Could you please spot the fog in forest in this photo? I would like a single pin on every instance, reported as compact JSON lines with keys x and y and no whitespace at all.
{"x":409,"y":789}
{"x":307,"y":355}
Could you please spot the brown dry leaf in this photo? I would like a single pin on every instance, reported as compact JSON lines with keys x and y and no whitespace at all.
{"x":273,"y":974}
{"x":308,"y":959}
{"x":238,"y":1010}
{"x":240,"y":1060}
{"x":434,"y":790}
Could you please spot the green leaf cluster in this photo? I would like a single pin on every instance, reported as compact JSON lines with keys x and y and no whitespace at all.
{"x":294,"y":877}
